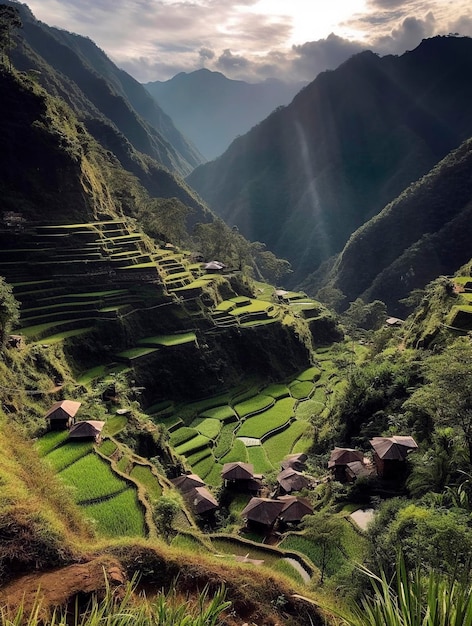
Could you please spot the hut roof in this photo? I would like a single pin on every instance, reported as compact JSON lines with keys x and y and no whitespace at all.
{"x":187,"y":481}
{"x":62,"y":409}
{"x":214,"y":265}
{"x":237,"y":471}
{"x":343,"y":456}
{"x":393,"y":448}
{"x":88,"y":428}
{"x":262,"y":510}
{"x":356,"y":469}
{"x":295,"y":508}
{"x":291,"y":480}
{"x":201,"y":500}
{"x":295,"y":461}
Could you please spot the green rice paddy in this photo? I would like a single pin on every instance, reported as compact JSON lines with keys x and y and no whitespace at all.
{"x":274,"y":417}
{"x":92,"y":478}
{"x":119,"y":516}
{"x":68,"y":453}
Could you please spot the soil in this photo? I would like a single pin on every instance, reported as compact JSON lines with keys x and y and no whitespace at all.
{"x":60,"y":587}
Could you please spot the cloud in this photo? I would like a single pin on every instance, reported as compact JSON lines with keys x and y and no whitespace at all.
{"x":313,"y":57}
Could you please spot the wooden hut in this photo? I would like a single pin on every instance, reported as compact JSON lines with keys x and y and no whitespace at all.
{"x":262,"y":511}
{"x":339,"y":460}
{"x":89,"y":429}
{"x":294,"y":509}
{"x":295,"y":461}
{"x":185,"y":482}
{"x":390,"y":454}
{"x":200,"y":500}
{"x":290,"y":480}
{"x":240,"y":476}
{"x":62,"y":414}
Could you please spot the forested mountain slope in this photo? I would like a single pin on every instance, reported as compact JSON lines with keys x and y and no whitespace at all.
{"x":74,"y":68}
{"x":213,"y":110}
{"x":424,"y":233}
{"x":310,"y":174}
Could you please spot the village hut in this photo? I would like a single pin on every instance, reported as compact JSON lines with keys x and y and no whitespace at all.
{"x":294,"y":509}
{"x":185,"y":482}
{"x":214,"y":266}
{"x":240,"y":476}
{"x":339,"y":459}
{"x":262,"y":511}
{"x":200,"y":500}
{"x":390,"y":454}
{"x":62,"y":414}
{"x":290,"y":480}
{"x":88,"y":429}
{"x":359,"y":469}
{"x":295,"y":461}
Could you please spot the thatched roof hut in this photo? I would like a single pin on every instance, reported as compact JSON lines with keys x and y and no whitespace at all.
{"x":185,"y":482}
{"x":291,"y":480}
{"x":294,"y":509}
{"x":263,"y":511}
{"x":89,"y":429}
{"x":201,"y":500}
{"x":62,"y":414}
{"x":394,"y":448}
{"x":237,"y":471}
{"x":295,"y":461}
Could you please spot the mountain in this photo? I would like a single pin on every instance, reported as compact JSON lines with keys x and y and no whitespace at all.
{"x":74,"y":68}
{"x":422,"y":234}
{"x":310,"y":174}
{"x":213,"y":110}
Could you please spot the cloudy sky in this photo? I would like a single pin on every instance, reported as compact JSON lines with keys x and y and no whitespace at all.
{"x":251,"y":39}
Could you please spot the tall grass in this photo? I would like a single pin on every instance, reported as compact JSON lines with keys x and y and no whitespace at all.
{"x":164,"y":610}
{"x":415,"y":599}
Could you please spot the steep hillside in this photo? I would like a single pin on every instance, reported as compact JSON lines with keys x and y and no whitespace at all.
{"x":213,"y":110}
{"x":310,"y":174}
{"x":74,"y":68}
{"x":424,"y":233}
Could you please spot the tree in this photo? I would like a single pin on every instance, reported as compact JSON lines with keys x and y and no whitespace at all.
{"x":164,"y":515}
{"x":9,"y":309}
{"x":325,"y":531}
{"x":447,"y":397}
{"x":10,"y":20}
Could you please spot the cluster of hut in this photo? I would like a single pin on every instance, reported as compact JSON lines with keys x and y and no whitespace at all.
{"x":281,"y":508}
{"x":62,"y":415}
{"x":388,"y":462}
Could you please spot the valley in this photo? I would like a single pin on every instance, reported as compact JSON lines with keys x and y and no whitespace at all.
{"x":192,"y":429}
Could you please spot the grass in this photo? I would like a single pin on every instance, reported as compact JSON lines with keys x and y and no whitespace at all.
{"x":281,"y":444}
{"x":207,"y":426}
{"x":310,"y":374}
{"x":169,"y":340}
{"x":181,"y":435}
{"x":277,"y":391}
{"x":194,"y":444}
{"x":238,"y":452}
{"x":263,"y":423}
{"x":68,"y":453}
{"x":258,"y":457}
{"x":92,"y":478}
{"x":253,"y":405}
{"x":213,"y":477}
{"x":107,"y":447}
{"x":301,"y":390}
{"x":224,"y":413}
{"x":119,"y":516}
{"x":204,"y":467}
{"x":136,"y":353}
{"x":51,"y":440}
{"x":224,"y":441}
{"x":308,"y":408}
{"x":144,"y":475}
{"x":114,"y":425}
{"x":242,"y":548}
{"x":88,"y":376}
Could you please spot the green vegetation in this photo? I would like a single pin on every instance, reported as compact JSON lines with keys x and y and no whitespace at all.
{"x":92,"y":479}
{"x":118,"y":516}
{"x":70,"y":452}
